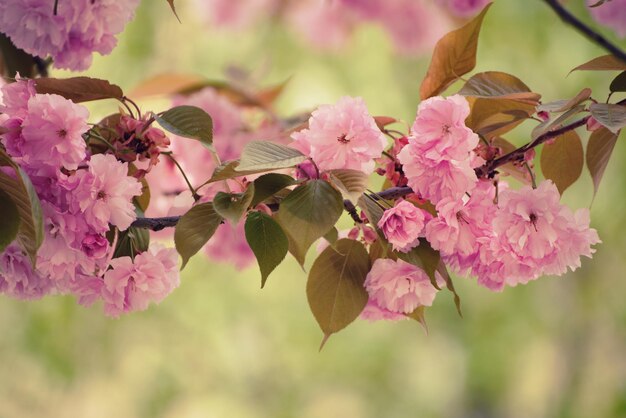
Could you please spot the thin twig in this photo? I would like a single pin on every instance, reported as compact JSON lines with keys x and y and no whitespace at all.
{"x":586,"y":30}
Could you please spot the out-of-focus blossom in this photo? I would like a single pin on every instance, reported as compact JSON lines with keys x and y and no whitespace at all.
{"x":611,"y":14}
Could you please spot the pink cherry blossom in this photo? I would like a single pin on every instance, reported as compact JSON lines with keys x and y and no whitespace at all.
{"x":326,"y":25}
{"x":611,"y":14}
{"x":373,"y":312}
{"x":229,"y":245}
{"x":52,"y":132}
{"x":17,"y":277}
{"x":343,"y":135}
{"x":131,"y":285}
{"x":465,"y":8}
{"x":104,"y":193}
{"x":439,"y":129}
{"x":398,"y":286}
{"x":235,"y":15}
{"x":15,"y":97}
{"x":403,"y":224}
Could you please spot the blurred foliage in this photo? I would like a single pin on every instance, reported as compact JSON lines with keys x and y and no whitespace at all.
{"x":222,"y":347}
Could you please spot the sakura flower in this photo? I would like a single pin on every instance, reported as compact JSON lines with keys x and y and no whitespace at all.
{"x":131,"y":285}
{"x":17,"y":277}
{"x":402,"y":225}
{"x":398,"y":286}
{"x":465,"y":8}
{"x":439,"y":129}
{"x":52,"y":132}
{"x":15,"y":97}
{"x":234,"y":15}
{"x":373,"y":312}
{"x":343,"y":135}
{"x":104,"y":193}
{"x":611,"y":14}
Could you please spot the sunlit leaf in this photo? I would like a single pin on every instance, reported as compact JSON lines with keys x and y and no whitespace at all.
{"x":612,"y":116}
{"x":454,"y":55}
{"x":307,"y":213}
{"x":194,"y":229}
{"x":232,"y":206}
{"x":599,"y":150}
{"x":9,"y":220}
{"x":499,"y":85}
{"x":494,"y":117}
{"x":79,"y":89}
{"x":562,"y":160}
{"x":167,"y":84}
{"x":189,"y":122}
{"x":603,"y":63}
{"x":335,"y":286}
{"x":559,"y":106}
{"x":351,"y":183}
{"x":267,"y":241}
{"x":260,"y":155}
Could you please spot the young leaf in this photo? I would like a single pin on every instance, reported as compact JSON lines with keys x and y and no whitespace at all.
{"x":335,"y":286}
{"x":552,"y":124}
{"x":189,"y":122}
{"x":559,"y":106}
{"x":603,"y":63}
{"x":443,"y":271}
{"x":9,"y":220}
{"x":167,"y":84}
{"x":268,"y":242}
{"x":612,"y":116}
{"x":599,"y":150}
{"x":194,"y":229}
{"x":493,"y":117}
{"x":495,"y":84}
{"x":269,"y":184}
{"x":562,"y":161}
{"x":262,"y":155}
{"x":351,"y":183}
{"x":383,"y":121}
{"x":79,"y":89}
{"x":307,"y":213}
{"x":22,"y":192}
{"x":232,"y":206}
{"x":454,"y":55}
{"x":618,"y":83}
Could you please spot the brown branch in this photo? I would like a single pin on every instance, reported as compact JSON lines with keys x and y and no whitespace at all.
{"x":594,"y":36}
{"x":156,"y":224}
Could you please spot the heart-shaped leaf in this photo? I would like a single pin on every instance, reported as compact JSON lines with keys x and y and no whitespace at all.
{"x":232,"y":206}
{"x":189,"y":122}
{"x":267,"y":241}
{"x":194,"y":229}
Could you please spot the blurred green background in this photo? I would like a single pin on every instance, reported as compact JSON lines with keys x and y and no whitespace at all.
{"x":221,"y":347}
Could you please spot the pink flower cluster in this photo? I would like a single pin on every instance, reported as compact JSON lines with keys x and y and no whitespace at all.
{"x":504,"y":239}
{"x":72,"y":34}
{"x":82,"y":196}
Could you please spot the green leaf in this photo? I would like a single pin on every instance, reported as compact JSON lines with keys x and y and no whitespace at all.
{"x":424,"y":257}
{"x":562,"y":161}
{"x":232,"y":206}
{"x":599,"y":150}
{"x":21,"y":191}
{"x":418,"y":315}
{"x":454,"y":55}
{"x":269,"y":184}
{"x":335,"y":286}
{"x":194,"y":229}
{"x":618,"y":83}
{"x":374,"y":210}
{"x":262,"y":155}
{"x":443,"y":271}
{"x":307,"y":213}
{"x":131,"y":242}
{"x":495,"y":84}
{"x":268,"y":242}
{"x":612,"y":116}
{"x":332,"y":235}
{"x":603,"y":63}
{"x":351,"y":183}
{"x":189,"y":122}
{"x":79,"y":89}
{"x":9,"y":220}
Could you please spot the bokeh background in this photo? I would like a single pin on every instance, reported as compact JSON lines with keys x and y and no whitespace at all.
{"x":220,"y":346}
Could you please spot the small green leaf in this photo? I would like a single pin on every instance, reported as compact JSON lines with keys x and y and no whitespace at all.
{"x":22,"y":192}
{"x":9,"y":220}
{"x":307,"y":213}
{"x":335,"y":286}
{"x":232,"y":206}
{"x":424,"y":257}
{"x":418,"y":315}
{"x":351,"y":183}
{"x":599,"y":150}
{"x":189,"y":122}
{"x":131,"y":242}
{"x":613,"y":116}
{"x":79,"y":89}
{"x":618,"y":83}
{"x":268,"y":242}
{"x":194,"y":229}
{"x":443,"y":271}
{"x":269,"y":184}
{"x":562,"y":161}
{"x":261,"y":155}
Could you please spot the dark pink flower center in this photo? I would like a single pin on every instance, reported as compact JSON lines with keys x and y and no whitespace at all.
{"x":343,"y":139}
{"x":533,"y":220}
{"x":62,"y":133}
